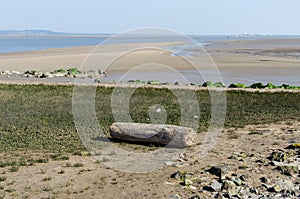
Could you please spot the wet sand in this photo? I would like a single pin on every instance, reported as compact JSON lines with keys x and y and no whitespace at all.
{"x":269,"y":60}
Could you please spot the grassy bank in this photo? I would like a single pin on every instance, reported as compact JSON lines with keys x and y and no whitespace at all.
{"x":39,"y":117}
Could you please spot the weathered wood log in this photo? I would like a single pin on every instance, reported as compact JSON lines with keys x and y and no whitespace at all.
{"x":170,"y":135}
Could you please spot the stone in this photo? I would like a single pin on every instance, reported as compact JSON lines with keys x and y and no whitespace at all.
{"x":264,"y":180}
{"x":6,"y":72}
{"x":216,"y":186}
{"x":44,"y":75}
{"x":294,"y":146}
{"x":232,"y":193}
{"x":227,"y":184}
{"x":278,"y":156}
{"x":187,"y":182}
{"x":178,"y":175}
{"x":237,"y":181}
{"x":276,"y":188}
{"x":196,"y":197}
{"x":191,"y":187}
{"x":171,"y":135}
{"x":245,"y":177}
{"x":285,"y":185}
{"x":253,"y":190}
{"x":219,"y":196}
{"x":289,"y":170}
{"x":176,"y":164}
{"x":175,"y":196}
{"x":16,"y":72}
{"x":220,"y":171}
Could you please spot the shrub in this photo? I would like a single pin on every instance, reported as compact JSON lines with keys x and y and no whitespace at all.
{"x":257,"y":85}
{"x":237,"y":85}
{"x":63,"y":71}
{"x":73,"y":71}
{"x":154,"y":82}
{"x":207,"y":84}
{"x":219,"y":85}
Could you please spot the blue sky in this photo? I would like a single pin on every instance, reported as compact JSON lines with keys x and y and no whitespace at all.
{"x":186,"y":16}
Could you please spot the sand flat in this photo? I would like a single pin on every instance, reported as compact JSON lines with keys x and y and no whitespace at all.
{"x":243,"y":61}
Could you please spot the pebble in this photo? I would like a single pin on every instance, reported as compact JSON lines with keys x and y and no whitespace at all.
{"x":175,"y":196}
{"x":188,"y":182}
{"x":228,"y":185}
{"x":216,"y":186}
{"x":237,"y":181}
{"x":264,"y":180}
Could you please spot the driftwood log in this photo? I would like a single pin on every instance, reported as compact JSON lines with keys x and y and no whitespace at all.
{"x":170,"y":135}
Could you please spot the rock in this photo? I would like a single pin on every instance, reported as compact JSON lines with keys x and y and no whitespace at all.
{"x":265,"y":186}
{"x":101,"y":72}
{"x":175,"y":196}
{"x":187,"y":182}
{"x":154,"y":82}
{"x":45,"y":75}
{"x":16,"y":72}
{"x":243,"y":166}
{"x":34,"y":73}
{"x":178,"y":175}
{"x":232,"y":193}
{"x":6,"y":72}
{"x":182,"y":175}
{"x":28,"y":75}
{"x":243,"y":155}
{"x":278,"y":156}
{"x":174,"y":136}
{"x":59,"y":75}
{"x":227,"y":184}
{"x":284,"y":185}
{"x":294,"y":146}
{"x":276,"y":188}
{"x":264,"y":180}
{"x":237,"y":181}
{"x":169,"y":183}
{"x":253,"y":190}
{"x":289,"y":170}
{"x":176,"y":164}
{"x":196,"y":197}
{"x":220,"y":171}
{"x":191,"y":187}
{"x":245,"y":177}
{"x":219,"y":196}
{"x":216,"y":186}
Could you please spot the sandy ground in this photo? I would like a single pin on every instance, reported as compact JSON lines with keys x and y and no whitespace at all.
{"x":270,"y":60}
{"x":244,"y":151}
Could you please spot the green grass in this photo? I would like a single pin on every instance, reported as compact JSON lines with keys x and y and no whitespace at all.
{"x":39,"y":117}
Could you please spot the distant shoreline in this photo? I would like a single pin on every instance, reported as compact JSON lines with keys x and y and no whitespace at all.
{"x":248,"y":61}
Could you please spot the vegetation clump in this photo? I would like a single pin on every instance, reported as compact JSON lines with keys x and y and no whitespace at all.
{"x":237,"y":85}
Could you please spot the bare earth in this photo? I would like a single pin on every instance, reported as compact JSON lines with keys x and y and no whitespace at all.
{"x":244,"y":151}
